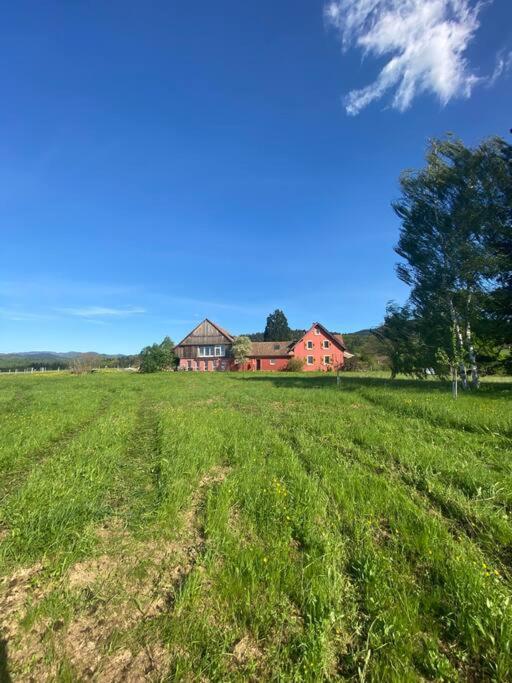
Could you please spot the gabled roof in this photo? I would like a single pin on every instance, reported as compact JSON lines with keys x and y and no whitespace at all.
{"x":219,"y":329}
{"x":268,"y":349}
{"x":336,"y":338}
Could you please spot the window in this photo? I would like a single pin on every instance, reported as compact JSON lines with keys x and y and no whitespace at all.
{"x":272,"y":362}
{"x":327,"y":360}
{"x":317,"y":331}
{"x":209,"y":351}
{"x":309,"y":344}
{"x":277,"y":347}
{"x":310,"y":360}
{"x":326,"y":343}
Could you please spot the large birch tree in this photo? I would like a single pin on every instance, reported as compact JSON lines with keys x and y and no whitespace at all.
{"x":451,"y":211}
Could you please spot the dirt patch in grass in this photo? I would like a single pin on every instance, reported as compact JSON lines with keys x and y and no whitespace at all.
{"x":125,"y":666}
{"x":133,"y":581}
{"x":246,"y":651}
{"x":16,"y":591}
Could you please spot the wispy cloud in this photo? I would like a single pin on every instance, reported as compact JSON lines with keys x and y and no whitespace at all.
{"x":92,"y":312}
{"x":424,"y":42}
{"x":17,"y":315}
{"x":503,"y":66}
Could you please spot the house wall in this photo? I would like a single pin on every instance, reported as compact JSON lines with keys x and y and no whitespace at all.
{"x":300,"y":350}
{"x":199,"y":364}
{"x":266,"y":364}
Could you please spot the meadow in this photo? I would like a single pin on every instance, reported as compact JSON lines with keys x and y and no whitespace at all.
{"x":213,"y":527}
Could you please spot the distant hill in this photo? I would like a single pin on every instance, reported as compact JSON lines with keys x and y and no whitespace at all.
{"x":52,"y":360}
{"x":51,"y":354}
{"x":370,"y":352}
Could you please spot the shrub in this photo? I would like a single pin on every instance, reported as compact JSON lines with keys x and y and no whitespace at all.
{"x":295,"y":365}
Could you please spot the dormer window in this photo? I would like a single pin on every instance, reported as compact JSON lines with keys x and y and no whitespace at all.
{"x":277,"y":347}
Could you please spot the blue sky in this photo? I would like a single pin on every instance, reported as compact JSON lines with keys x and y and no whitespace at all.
{"x":168,"y":161}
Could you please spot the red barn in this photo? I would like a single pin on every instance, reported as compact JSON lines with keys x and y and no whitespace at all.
{"x":209,"y":347}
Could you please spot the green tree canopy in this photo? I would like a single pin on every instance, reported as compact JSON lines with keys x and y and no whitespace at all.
{"x":158,"y":356}
{"x":451,"y":212}
{"x":241,"y":349}
{"x":277,"y":328}
{"x":402,"y":342}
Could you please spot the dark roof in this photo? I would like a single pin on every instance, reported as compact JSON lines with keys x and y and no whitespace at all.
{"x":267,"y":349}
{"x":339,"y":339}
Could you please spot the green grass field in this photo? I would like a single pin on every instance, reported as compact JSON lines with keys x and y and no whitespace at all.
{"x":211,"y":527}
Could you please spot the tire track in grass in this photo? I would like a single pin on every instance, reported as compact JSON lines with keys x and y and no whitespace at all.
{"x":14,"y":479}
{"x":136,"y":490}
{"x":112,"y":596}
{"x":438,"y":420}
{"x":296,"y":525}
{"x":447,"y":646}
{"x":455,"y":517}
{"x":169,"y":567}
{"x":453,"y":506}
{"x":431,"y":495}
{"x":353,"y":661}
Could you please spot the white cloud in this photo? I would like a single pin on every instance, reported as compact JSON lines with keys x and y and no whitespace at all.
{"x":424,"y":42}
{"x":92,"y":312}
{"x":503,"y":66}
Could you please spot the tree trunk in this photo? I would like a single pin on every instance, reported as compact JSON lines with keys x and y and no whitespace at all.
{"x":462,"y":365}
{"x":454,"y":381}
{"x":475,"y":378}
{"x":459,"y":342}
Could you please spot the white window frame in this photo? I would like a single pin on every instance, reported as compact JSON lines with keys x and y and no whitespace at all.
{"x":206,"y":351}
{"x":326,"y":344}
{"x":220,"y":350}
{"x":309,"y":341}
{"x":316,"y":331}
{"x":272,"y":362}
{"x":328,"y":362}
{"x":310,"y":362}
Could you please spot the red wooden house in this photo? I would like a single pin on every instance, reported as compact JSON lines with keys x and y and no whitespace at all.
{"x":209,"y":347}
